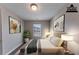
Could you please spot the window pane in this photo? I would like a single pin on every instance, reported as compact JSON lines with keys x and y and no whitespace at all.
{"x":37,"y":30}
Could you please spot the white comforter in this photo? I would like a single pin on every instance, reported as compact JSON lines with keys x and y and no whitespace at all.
{"x":45,"y":44}
{"x":47,"y":47}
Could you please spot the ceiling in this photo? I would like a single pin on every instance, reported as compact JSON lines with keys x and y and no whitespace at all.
{"x":45,"y":10}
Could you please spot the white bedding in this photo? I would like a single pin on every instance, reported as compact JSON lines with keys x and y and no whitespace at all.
{"x":46,"y":44}
{"x":47,"y":47}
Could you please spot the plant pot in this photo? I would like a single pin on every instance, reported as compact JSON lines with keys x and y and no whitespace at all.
{"x":26,"y":40}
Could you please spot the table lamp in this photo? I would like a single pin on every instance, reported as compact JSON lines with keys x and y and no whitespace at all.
{"x":65,"y":39}
{"x":47,"y":34}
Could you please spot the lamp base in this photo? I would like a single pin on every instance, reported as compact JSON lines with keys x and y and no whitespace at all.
{"x":64,"y":45}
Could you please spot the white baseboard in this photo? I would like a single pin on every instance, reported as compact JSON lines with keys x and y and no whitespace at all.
{"x":13,"y":49}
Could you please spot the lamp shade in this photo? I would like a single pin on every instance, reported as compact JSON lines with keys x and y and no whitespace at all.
{"x":67,"y":37}
{"x":47,"y":34}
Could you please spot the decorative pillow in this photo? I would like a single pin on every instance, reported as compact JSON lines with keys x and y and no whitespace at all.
{"x":59,"y":42}
{"x":53,"y":40}
{"x":57,"y":34}
{"x":48,"y":38}
{"x":56,"y":41}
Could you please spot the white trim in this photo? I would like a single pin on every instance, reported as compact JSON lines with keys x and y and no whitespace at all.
{"x":13,"y":49}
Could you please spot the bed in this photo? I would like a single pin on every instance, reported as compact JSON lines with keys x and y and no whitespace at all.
{"x":49,"y":46}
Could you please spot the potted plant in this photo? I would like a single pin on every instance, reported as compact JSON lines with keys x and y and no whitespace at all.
{"x":26,"y":36}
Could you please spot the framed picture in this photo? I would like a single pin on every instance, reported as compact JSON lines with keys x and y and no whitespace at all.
{"x":14,"y":25}
{"x":59,"y":24}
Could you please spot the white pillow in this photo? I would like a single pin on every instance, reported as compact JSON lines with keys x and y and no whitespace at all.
{"x":53,"y":40}
{"x":48,"y":38}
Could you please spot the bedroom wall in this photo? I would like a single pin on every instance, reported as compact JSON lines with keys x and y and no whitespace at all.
{"x":71,"y":27}
{"x":9,"y":41}
{"x":45,"y":26}
{"x":0,"y":34}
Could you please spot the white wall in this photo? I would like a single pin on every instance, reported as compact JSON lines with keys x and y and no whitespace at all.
{"x":0,"y":35}
{"x":9,"y":41}
{"x":71,"y":27}
{"x":28,"y":25}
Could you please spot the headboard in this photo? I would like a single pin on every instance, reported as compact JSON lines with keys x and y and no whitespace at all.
{"x":58,"y":34}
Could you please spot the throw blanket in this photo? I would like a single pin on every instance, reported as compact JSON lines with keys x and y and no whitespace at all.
{"x":32,"y":47}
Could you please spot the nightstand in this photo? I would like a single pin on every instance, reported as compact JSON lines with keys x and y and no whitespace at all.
{"x":68,"y":53}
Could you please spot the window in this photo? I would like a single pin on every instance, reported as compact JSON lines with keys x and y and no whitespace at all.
{"x":37,"y":30}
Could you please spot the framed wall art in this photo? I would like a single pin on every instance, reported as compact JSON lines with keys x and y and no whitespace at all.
{"x":14,"y":25}
{"x":59,"y":24}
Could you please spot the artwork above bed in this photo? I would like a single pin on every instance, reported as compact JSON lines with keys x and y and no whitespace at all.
{"x":59,"y":24}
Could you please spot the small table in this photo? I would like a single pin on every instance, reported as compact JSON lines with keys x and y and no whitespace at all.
{"x":68,"y":53}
